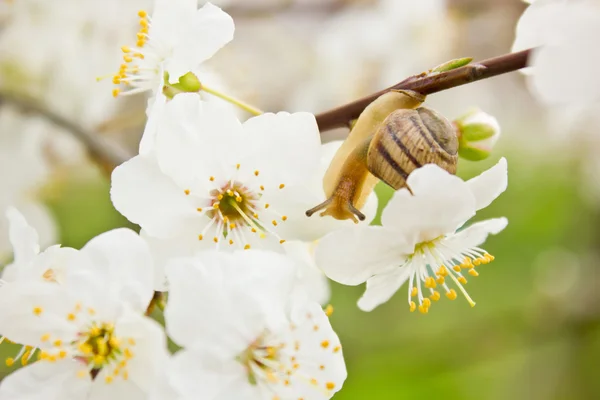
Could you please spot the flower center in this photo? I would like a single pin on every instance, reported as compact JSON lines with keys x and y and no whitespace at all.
{"x":261,"y":362}
{"x":435,"y":261}
{"x":96,"y":346}
{"x":236,"y":210}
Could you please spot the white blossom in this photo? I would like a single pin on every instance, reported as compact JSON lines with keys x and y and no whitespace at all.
{"x":566,"y":55}
{"x":209,"y":181}
{"x":176,"y":40}
{"x":80,"y":313}
{"x":419,"y":241}
{"x":242,"y":338}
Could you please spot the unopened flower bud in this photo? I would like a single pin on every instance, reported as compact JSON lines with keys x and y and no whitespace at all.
{"x":478,"y":133}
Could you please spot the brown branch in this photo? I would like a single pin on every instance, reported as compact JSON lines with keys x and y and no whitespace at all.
{"x":105,"y":152}
{"x":426,"y":84}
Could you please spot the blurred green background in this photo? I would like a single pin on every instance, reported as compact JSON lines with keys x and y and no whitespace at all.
{"x":534,"y":334}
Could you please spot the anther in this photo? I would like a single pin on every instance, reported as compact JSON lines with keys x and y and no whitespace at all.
{"x":281,"y":186}
{"x":199,"y":209}
{"x":430,"y":283}
{"x":187,"y":192}
{"x":423,"y":309}
{"x":414,"y":292}
{"x":413,"y":306}
{"x":472,"y":272}
{"x":451,"y":294}
{"x":247,"y":247}
{"x":274,"y":223}
{"x":329,"y":310}
{"x":462,"y":280}
{"x":435,"y":296}
{"x":216,"y":239}
{"x":284,"y":218}
{"x":282,"y":241}
{"x":200,"y":237}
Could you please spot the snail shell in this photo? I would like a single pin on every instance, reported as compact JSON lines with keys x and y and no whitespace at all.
{"x":391,"y":138}
{"x":408,"y":139}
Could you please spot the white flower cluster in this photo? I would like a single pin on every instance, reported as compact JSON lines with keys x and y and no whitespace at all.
{"x":221,"y":205}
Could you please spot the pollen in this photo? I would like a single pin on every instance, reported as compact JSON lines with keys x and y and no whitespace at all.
{"x":216,"y":239}
{"x":256,"y":173}
{"x":199,"y":209}
{"x":329,"y":310}
{"x":200,"y":237}
{"x":45,"y":337}
{"x":337,"y":349}
{"x":247,"y":247}
{"x":212,"y":179}
{"x":274,"y":223}
{"x":451,"y":294}
{"x":281,"y":186}
{"x":325,"y":344}
{"x":38,"y":311}
{"x":284,"y":218}
{"x":71,"y":317}
{"x":282,"y":241}
{"x":187,"y":192}
{"x":330,"y":385}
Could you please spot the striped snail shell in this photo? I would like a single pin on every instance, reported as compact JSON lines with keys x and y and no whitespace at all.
{"x":392,"y":137}
{"x":408,"y":139}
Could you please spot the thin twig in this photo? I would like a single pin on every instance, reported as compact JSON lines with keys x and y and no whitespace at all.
{"x":427,"y":84}
{"x":107,"y":153}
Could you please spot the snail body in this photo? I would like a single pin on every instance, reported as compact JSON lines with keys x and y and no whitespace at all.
{"x":390,"y":139}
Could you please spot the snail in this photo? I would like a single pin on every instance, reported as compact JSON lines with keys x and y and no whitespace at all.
{"x":392,"y":137}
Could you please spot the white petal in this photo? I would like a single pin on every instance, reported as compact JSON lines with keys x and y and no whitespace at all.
{"x":145,"y":196}
{"x":182,"y":150}
{"x":311,"y":284}
{"x":46,"y":381}
{"x":440,"y":204}
{"x":156,"y":110}
{"x":312,"y":353}
{"x":51,"y":265}
{"x":351,"y":256}
{"x":20,"y":323}
{"x":286,"y":147}
{"x":536,"y":25}
{"x":149,"y":356}
{"x":42,"y":220}
{"x":23,"y":237}
{"x":122,"y":259}
{"x":381,"y":288}
{"x":249,"y":287}
{"x":202,"y":371}
{"x":490,"y":184}
{"x":477,"y":233}
{"x":210,"y":29}
{"x":162,"y":251}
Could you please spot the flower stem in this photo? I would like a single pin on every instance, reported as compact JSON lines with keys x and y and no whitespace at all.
{"x":246,"y":107}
